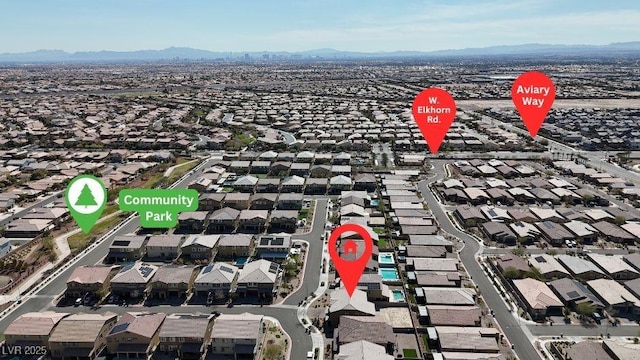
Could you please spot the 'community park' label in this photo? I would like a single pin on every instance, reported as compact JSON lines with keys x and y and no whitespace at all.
{"x":158,"y":208}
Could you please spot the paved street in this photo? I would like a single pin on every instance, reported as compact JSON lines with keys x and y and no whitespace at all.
{"x":509,"y":324}
{"x":47,"y":200}
{"x":314,"y":258}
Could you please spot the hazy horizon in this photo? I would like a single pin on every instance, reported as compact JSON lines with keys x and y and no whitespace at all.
{"x":303,"y":25}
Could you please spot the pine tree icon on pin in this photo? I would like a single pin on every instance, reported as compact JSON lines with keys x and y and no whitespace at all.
{"x":86,"y":197}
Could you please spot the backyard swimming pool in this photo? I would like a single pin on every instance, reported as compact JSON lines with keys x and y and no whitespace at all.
{"x":386,"y":259}
{"x":389,"y":274}
{"x":398,"y":296}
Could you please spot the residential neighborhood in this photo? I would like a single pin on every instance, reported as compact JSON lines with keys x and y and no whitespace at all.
{"x":500,"y":246}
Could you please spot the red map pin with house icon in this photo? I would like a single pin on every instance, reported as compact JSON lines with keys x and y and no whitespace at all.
{"x":350,"y":270}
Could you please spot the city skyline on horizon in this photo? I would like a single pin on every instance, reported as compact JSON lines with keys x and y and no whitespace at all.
{"x":296,"y":26}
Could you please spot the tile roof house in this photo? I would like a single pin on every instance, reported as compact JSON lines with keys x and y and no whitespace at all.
{"x":258,"y":278}
{"x":283,"y":220}
{"x":499,"y":232}
{"x":573,"y":292}
{"x":614,"y":233}
{"x":469,"y":216}
{"x":614,"y":266}
{"x":164,"y":246}
{"x":293,"y":184}
{"x":432,"y":264}
{"x":633,"y":260}
{"x":172,"y":281}
{"x":289,"y":201}
{"x":363,"y":350}
{"x":548,"y":266}
{"x":253,"y":221}
{"x":127,"y":248}
{"x":236,"y":200}
{"x":200,"y":246}
{"x":316,"y":186}
{"x":32,"y":329}
{"x":211,"y":201}
{"x":216,"y":279}
{"x":192,"y":221}
{"x":371,"y":329}
{"x":615,"y":296}
{"x":186,"y":335}
{"x":366,"y":182}
{"x":81,"y":335}
{"x":223,"y":220}
{"x":90,"y":279}
{"x":246,"y":184}
{"x":273,"y":246}
{"x":263,"y":201}
{"x":468,"y":339}
{"x":539,"y":300}
{"x":556,"y":234}
{"x":268,"y":185}
{"x":136,"y":334}
{"x":449,"y":296}
{"x":581,"y":268}
{"x":339,"y":183}
{"x":512,"y":261}
{"x":237,"y":335}
{"x":132,"y":280}
{"x":454,"y":315}
{"x":232,"y":246}
{"x":343,"y":304}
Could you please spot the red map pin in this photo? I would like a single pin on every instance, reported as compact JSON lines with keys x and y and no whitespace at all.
{"x":533,"y":94}
{"x":434,"y":110}
{"x":350,"y":271}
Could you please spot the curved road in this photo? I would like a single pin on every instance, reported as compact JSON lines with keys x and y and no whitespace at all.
{"x":510,"y":325}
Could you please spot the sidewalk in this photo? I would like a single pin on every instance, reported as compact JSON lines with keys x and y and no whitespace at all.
{"x":63,"y":246}
{"x":168,"y":172}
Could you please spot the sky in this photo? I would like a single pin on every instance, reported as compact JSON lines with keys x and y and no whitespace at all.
{"x":298,"y":25}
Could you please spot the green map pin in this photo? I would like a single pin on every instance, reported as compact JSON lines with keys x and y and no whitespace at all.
{"x":86,"y":198}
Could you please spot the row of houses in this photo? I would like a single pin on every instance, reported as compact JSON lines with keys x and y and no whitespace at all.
{"x":138,"y":334}
{"x":297,"y":183}
{"x":198,"y":247}
{"x":216,"y":281}
{"x":446,"y":310}
{"x":556,"y":225}
{"x":610,"y":282}
{"x":228,"y":220}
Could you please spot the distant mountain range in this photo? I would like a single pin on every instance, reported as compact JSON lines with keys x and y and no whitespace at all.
{"x":185,"y":53}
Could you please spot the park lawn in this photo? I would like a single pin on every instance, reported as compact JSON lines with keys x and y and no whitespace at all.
{"x":109,"y":209}
{"x":81,"y":240}
{"x":382,"y":243}
{"x":153,"y":181}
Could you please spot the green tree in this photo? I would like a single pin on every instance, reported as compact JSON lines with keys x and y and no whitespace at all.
{"x":38,"y":174}
{"x":512,"y":273}
{"x":619,"y":220}
{"x":585,"y":309}
{"x":534,"y":273}
{"x":587,"y":199}
{"x":86,"y":197}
